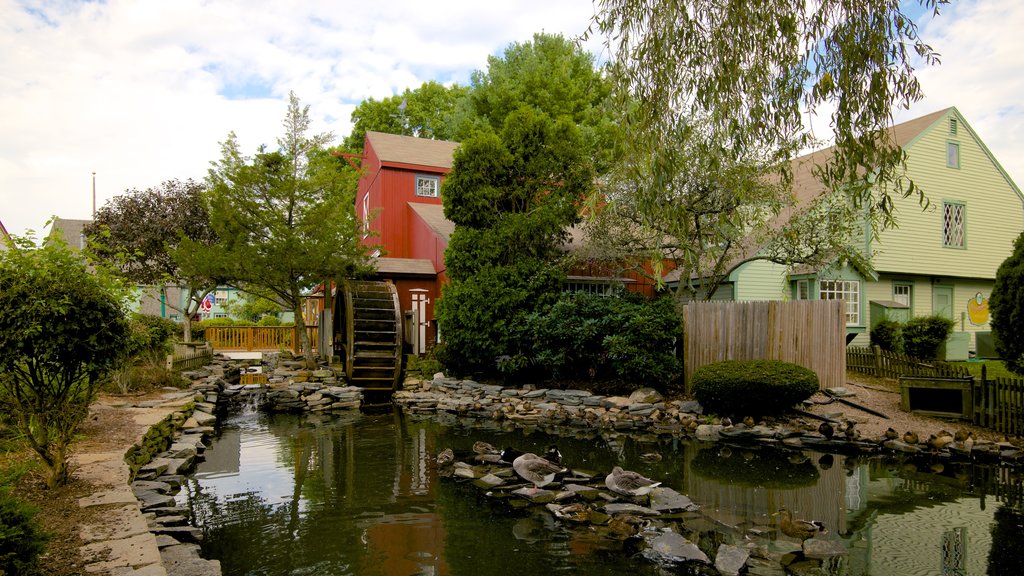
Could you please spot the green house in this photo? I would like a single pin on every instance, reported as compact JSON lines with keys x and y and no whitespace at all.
{"x":939,"y":260}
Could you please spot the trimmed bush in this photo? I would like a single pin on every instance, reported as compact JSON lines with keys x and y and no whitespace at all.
{"x":21,"y":539}
{"x":923,"y":335}
{"x":888,"y":335}
{"x":269,"y":321}
{"x":752,"y":387}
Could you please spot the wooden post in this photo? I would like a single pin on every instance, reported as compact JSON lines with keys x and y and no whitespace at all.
{"x":295,"y":340}
{"x":878,"y":359}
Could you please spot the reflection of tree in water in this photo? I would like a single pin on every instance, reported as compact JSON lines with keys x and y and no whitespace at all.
{"x":763,"y":468}
{"x":1005,"y":558}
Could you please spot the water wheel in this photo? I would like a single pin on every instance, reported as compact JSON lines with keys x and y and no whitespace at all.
{"x":368,"y":334}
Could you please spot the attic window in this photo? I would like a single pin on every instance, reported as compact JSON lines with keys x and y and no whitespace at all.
{"x":952,"y":126}
{"x":952,"y":155}
{"x":953,"y":229}
{"x":428,"y":186}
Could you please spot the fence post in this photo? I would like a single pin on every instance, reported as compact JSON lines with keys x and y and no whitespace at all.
{"x":170,"y":361}
{"x":877,"y":350}
{"x":295,"y":339}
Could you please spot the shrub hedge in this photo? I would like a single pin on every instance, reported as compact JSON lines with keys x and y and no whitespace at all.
{"x":21,"y":539}
{"x":752,"y":387}
{"x":888,"y":335}
{"x":923,"y":335}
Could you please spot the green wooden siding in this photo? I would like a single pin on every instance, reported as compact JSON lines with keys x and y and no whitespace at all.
{"x":994,"y":210}
{"x":759,"y":280}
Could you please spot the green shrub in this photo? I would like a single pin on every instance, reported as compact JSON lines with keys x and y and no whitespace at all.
{"x":923,"y":335}
{"x":269,"y":321}
{"x":888,"y":335}
{"x":21,"y":539}
{"x":599,"y":338}
{"x":752,"y":387}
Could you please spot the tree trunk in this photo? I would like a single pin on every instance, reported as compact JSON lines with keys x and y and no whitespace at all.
{"x":300,"y":325}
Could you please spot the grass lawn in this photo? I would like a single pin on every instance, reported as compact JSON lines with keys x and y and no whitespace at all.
{"x":993,"y":368}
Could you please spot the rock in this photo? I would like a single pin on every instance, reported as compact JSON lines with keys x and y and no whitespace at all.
{"x":710,"y":432}
{"x":805,"y":568}
{"x":821,"y":548}
{"x":617,"y":402}
{"x":627,"y":508}
{"x":183,"y":559}
{"x":151,"y":485}
{"x":731,"y":559}
{"x":673,"y":548}
{"x":203,"y":418}
{"x":150,"y":499}
{"x":666,"y":501}
{"x":489,"y":481}
{"x":646,"y":396}
{"x":536,"y":496}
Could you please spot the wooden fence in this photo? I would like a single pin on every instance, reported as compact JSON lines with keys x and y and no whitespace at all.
{"x":186,"y":357}
{"x":999,"y":404}
{"x":258,"y":338}
{"x":996,"y":403}
{"x":811,"y":333}
{"x":874,"y":361}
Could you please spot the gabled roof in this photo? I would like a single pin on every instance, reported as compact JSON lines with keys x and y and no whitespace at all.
{"x":5,"y":238}
{"x":70,"y":230}
{"x":405,"y":266}
{"x":433,"y":216}
{"x":395,"y":149}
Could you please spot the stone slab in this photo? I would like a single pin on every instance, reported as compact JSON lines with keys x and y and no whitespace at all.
{"x":118,"y":495}
{"x":117,"y":524}
{"x":139,"y":550}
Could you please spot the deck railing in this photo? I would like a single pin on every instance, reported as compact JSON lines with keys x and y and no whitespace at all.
{"x":189,"y":356}
{"x":258,"y":338}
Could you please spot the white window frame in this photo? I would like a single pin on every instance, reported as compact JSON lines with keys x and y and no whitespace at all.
{"x":422,"y":189}
{"x":847,"y":290}
{"x":954,"y":225}
{"x":366,"y":215}
{"x":953,"y":154}
{"x":220,"y":297}
{"x":803,"y":289}
{"x":902,"y":292}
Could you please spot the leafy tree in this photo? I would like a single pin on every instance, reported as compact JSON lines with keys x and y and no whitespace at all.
{"x":731,"y":90}
{"x":1006,"y":305}
{"x":61,"y":328}
{"x":427,"y":113}
{"x":285,"y":218}
{"x":551,"y":75}
{"x":138,"y":231}
{"x":254,"y":305}
{"x":512,"y":197}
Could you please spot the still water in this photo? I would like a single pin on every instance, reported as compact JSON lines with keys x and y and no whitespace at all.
{"x":360,"y":494}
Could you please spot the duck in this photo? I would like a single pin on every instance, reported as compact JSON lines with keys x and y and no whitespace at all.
{"x":535,"y":469}
{"x":480,"y":447}
{"x":726,"y":422}
{"x":629,"y":483}
{"x":553,"y":455}
{"x":749,"y":422}
{"x":577,"y":512}
{"x":625,"y":526}
{"x":851,"y":431}
{"x":962,"y":435}
{"x":796,"y":528}
{"x":446,"y":457}
{"x":891,"y":433}
{"x":826,"y":430}
{"x":510,"y":454}
{"x":939,"y":441}
{"x":651,"y":457}
{"x":910,"y":437}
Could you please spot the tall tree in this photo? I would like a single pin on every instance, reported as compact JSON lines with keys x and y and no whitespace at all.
{"x":425,"y":112}
{"x":62,"y":327}
{"x":549,"y":74}
{"x":512,"y":197}
{"x":285,"y":218}
{"x":138,"y":231}
{"x":1006,"y":305}
{"x":750,"y":78}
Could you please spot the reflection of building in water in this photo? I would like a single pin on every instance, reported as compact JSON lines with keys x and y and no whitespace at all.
{"x":226,"y":459}
{"x":376,"y":476}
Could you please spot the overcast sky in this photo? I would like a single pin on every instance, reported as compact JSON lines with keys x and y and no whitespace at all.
{"x":143,"y":91}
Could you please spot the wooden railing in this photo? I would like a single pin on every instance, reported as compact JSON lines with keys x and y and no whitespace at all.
{"x":258,"y":338}
{"x":189,"y":357}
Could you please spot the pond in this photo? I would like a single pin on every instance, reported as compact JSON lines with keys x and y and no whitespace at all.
{"x":361,"y":494}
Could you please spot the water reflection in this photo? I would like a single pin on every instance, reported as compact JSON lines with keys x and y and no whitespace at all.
{"x":360,"y":495}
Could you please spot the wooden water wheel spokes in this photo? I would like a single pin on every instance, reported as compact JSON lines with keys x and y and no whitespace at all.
{"x":369,"y":334}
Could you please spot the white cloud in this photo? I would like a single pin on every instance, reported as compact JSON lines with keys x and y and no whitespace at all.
{"x":141,"y":92}
{"x":982,"y":74}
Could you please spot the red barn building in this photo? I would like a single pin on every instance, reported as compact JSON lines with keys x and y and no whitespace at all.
{"x":399,"y":200}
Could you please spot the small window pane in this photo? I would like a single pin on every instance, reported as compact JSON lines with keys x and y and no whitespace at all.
{"x":901,"y":294}
{"x":953,"y":155}
{"x":953,"y":225}
{"x":427,"y":186}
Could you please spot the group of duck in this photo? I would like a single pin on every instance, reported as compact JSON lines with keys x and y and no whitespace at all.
{"x":541,"y":470}
{"x":962,"y":439}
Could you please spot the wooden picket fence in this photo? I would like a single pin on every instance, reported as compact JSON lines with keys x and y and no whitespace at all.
{"x":258,"y":338}
{"x":188,"y":357}
{"x":811,"y":333}
{"x":999,"y":404}
{"x":874,"y":361}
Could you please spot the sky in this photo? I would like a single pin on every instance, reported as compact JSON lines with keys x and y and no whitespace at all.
{"x":140,"y":92}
